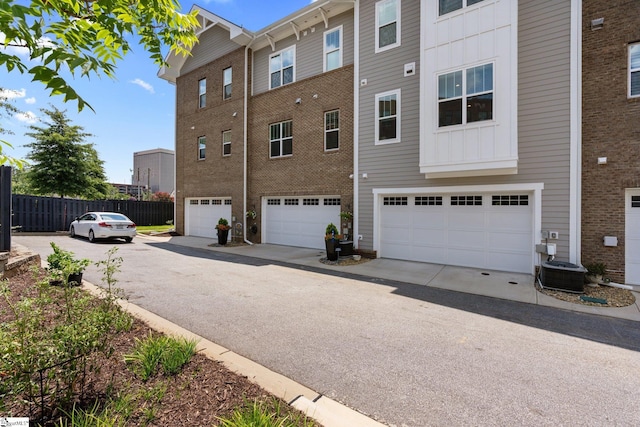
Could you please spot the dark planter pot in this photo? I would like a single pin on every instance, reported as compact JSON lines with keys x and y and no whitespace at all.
{"x":346,"y":248}
{"x":331,"y":246}
{"x":75,"y":279}
{"x":223,"y":236}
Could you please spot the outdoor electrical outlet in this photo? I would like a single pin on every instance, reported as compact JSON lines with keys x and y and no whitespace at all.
{"x":359,"y":236}
{"x":553,"y":235}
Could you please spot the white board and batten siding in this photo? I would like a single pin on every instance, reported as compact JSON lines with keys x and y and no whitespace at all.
{"x":202,"y":215}
{"x":298,"y":221}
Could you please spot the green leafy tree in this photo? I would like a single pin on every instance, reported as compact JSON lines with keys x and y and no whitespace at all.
{"x":62,"y":163}
{"x":7,"y":109}
{"x":88,"y":37}
{"x":19,"y":182}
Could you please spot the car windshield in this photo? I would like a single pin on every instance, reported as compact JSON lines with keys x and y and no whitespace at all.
{"x":114,"y":217}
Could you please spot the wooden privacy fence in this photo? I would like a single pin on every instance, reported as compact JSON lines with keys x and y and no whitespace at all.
{"x":40,"y":214}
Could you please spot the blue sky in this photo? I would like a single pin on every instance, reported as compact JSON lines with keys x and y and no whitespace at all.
{"x":135,"y":112}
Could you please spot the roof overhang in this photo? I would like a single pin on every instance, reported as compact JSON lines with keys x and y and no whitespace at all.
{"x":207,"y":20}
{"x":315,"y":14}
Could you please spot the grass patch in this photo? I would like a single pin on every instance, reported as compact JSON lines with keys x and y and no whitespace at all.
{"x":265,"y":414}
{"x":148,"y":229}
{"x":160,"y":352}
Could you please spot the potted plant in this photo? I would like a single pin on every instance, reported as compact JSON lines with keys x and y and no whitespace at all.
{"x":595,"y":272}
{"x":223,"y":228}
{"x":332,"y":241}
{"x":64,"y":267}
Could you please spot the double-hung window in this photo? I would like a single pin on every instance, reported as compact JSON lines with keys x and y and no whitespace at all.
{"x":226,"y":83}
{"x":282,"y":67}
{"x":202,"y":93}
{"x":281,"y":139}
{"x":333,"y":49}
{"x":447,"y":6}
{"x":465,"y":96}
{"x":332,"y":130}
{"x":388,"y":117}
{"x":226,"y":143}
{"x":387,"y":24}
{"x":634,"y":70}
{"x":202,"y":146}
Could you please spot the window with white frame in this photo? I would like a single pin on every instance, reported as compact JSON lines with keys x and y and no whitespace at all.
{"x":387,"y":24}
{"x":388,"y":117}
{"x":226,"y":83}
{"x":447,"y":6}
{"x":333,"y":49}
{"x":465,"y":96}
{"x":202,"y":146}
{"x":202,"y":93}
{"x":281,"y":139}
{"x":332,"y":130}
{"x":226,"y":143}
{"x":634,"y":70}
{"x":282,"y":67}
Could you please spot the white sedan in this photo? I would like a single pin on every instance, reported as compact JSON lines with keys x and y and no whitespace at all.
{"x":103,"y":225}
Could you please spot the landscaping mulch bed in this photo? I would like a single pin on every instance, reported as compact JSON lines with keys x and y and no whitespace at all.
{"x":344,"y":261}
{"x":203,"y":391}
{"x":614,"y":297}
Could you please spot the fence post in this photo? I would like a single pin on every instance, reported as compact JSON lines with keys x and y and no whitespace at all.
{"x":5,"y":208}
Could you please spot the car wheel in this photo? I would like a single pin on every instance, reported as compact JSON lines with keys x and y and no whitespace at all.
{"x":92,"y":238}
{"x":72,"y":231}
{"x":128,"y":239}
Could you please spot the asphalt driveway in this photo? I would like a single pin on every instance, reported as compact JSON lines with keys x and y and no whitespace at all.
{"x":401,"y":353}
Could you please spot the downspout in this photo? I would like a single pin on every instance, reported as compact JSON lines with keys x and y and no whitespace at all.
{"x":356,"y":120}
{"x":245,"y":141}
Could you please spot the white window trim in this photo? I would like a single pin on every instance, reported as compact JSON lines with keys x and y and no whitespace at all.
{"x":632,"y":70}
{"x":229,"y":84}
{"x":201,"y":94}
{"x":464,"y":98}
{"x":326,"y":51}
{"x":226,"y":143}
{"x":205,"y":148}
{"x":281,"y":74}
{"x":398,"y":137}
{"x":464,"y":6}
{"x":377,"y":28}
{"x":280,"y":139}
{"x":332,"y":130}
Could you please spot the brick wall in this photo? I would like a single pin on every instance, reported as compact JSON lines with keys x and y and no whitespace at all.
{"x":610,"y":128}
{"x":216,"y":175}
{"x":310,"y":170}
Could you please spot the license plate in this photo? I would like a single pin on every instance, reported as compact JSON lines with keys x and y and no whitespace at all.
{"x":119,"y":226}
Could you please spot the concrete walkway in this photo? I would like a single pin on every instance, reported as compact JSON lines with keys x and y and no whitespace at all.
{"x":496,"y":284}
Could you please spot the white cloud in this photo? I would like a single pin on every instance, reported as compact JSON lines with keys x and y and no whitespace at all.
{"x":29,"y":117}
{"x":12,"y":93}
{"x":31,"y":100}
{"x":146,"y":86}
{"x":23,"y":51}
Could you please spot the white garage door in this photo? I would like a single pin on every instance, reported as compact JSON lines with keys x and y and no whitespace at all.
{"x":299,"y":221}
{"x":492,"y":231}
{"x":632,"y":237}
{"x":202,"y":215}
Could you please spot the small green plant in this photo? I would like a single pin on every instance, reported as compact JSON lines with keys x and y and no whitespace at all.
{"x":160,"y":352}
{"x":63,"y":264}
{"x":223,"y":224}
{"x":596,"y":268}
{"x":346,"y":215}
{"x":264,"y":414}
{"x":331,"y":232}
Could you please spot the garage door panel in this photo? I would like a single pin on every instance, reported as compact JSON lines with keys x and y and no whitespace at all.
{"x":514,"y":219}
{"x":466,"y":258}
{"x":428,"y":219}
{"x":467,"y":239}
{"x":202,"y":216}
{"x":466,"y":217}
{"x":397,"y":235}
{"x":429,"y":237}
{"x":632,"y":237}
{"x":510,"y":241}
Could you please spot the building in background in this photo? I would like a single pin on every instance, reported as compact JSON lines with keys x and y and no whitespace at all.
{"x":153,"y":170}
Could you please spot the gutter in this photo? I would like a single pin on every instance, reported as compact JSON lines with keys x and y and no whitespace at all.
{"x":245,"y":138}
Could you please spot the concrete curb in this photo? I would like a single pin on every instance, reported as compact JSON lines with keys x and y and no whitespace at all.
{"x":324,"y":410}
